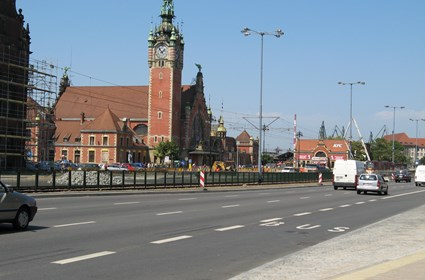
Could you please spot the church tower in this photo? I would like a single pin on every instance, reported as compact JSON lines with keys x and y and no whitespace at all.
{"x":165,"y":58}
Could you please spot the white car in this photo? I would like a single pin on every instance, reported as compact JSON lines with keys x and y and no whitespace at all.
{"x":372,"y":183}
{"x":16,"y":208}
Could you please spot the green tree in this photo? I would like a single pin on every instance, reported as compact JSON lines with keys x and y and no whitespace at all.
{"x":266,"y":158}
{"x":381,"y":150}
{"x":167,"y":148}
{"x":358,"y":151}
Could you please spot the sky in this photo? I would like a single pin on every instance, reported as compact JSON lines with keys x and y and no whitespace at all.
{"x":379,"y":42}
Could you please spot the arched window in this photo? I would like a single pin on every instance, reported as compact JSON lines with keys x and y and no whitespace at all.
{"x":159,"y":115}
{"x":320,"y":154}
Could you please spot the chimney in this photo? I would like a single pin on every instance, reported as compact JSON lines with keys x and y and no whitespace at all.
{"x":82,"y":117}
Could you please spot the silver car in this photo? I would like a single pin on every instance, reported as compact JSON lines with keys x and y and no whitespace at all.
{"x":372,"y":183}
{"x":16,"y":208}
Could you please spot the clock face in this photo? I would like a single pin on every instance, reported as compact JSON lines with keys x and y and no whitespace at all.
{"x":161,"y":51}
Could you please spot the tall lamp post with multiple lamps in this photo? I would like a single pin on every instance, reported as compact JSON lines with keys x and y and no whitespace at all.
{"x":416,"y":138}
{"x":351,"y":104}
{"x":394,"y":107}
{"x":278,"y":33}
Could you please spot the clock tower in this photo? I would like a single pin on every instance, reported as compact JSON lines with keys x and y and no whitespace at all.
{"x":165,"y":58}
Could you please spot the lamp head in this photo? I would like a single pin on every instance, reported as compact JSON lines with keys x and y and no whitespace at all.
{"x":278,"y":33}
{"x":246,"y":31}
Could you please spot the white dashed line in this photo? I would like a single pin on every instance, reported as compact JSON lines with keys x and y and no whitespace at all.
{"x":126,"y":203}
{"x":169,"y":213}
{"x":229,"y":228}
{"x":372,"y":200}
{"x":345,"y":205}
{"x":271,"y":220}
{"x":328,"y":194}
{"x":326,"y":209}
{"x":189,"y":198}
{"x":45,"y":209}
{"x":82,"y":258}
{"x":232,"y":195}
{"x":177,"y":238}
{"x":304,"y":197}
{"x":230,"y":206}
{"x":302,"y":214}
{"x":74,"y":224}
{"x":360,"y":202}
{"x":272,"y":201}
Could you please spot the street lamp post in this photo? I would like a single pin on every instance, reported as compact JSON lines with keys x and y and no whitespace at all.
{"x":394,"y":107}
{"x":416,"y":138}
{"x":278,"y":33}
{"x":351,"y":104}
{"x":211,"y":118}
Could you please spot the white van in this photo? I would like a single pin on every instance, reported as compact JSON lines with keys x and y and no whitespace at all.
{"x":346,"y":173}
{"x":420,"y":175}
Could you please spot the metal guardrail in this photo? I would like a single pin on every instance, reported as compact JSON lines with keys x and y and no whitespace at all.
{"x":163,"y":179}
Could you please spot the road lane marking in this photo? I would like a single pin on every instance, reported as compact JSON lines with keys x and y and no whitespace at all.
{"x":307,"y":226}
{"x":328,"y":194}
{"x":229,"y":228}
{"x":271,"y":220}
{"x":127,"y":203}
{"x":345,"y":205}
{"x":304,"y":197}
{"x":177,"y":238}
{"x":45,"y":209}
{"x":75,"y":224}
{"x":189,"y":198}
{"x":231,"y":195}
{"x":82,"y":258}
{"x":326,"y":209}
{"x":403,"y":194}
{"x":169,"y":213}
{"x":272,"y":201}
{"x":302,"y":214}
{"x":372,"y":200}
{"x":230,"y":206}
{"x":360,"y":202}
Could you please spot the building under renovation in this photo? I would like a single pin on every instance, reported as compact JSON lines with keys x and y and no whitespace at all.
{"x":27,"y":90}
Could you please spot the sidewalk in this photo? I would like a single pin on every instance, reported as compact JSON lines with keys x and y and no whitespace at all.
{"x":390,"y":249}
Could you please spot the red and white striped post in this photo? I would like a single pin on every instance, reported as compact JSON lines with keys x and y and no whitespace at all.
{"x":202,"y":179}
{"x":320,"y":179}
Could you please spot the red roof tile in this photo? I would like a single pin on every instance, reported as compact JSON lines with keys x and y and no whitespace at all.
{"x":125,"y":101}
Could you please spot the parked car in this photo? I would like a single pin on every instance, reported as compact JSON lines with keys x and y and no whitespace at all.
{"x":88,"y":166}
{"x":115,"y":167}
{"x":371,"y":182}
{"x":128,"y":166}
{"x":16,"y":208}
{"x":137,"y":165}
{"x":402,"y":175}
{"x":288,"y":169}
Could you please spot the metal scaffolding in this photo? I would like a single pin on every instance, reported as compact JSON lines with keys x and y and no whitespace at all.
{"x":28,"y":91}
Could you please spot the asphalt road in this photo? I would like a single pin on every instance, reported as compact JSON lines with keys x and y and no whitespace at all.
{"x":199,"y":235}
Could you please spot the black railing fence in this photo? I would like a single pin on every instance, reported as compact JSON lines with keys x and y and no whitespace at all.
{"x":162,"y":179}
